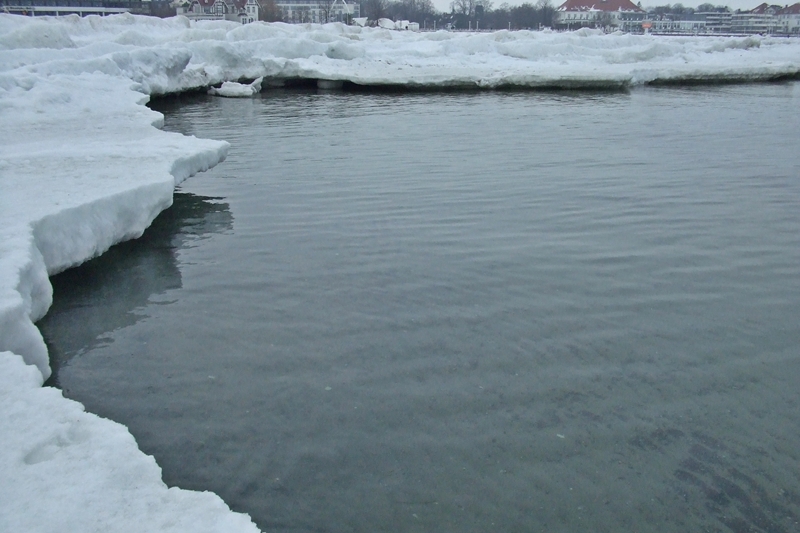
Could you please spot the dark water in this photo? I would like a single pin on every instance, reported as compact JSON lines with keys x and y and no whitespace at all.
{"x":465,"y":312}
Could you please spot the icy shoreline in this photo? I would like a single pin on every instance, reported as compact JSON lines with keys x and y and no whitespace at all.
{"x":84,"y":166}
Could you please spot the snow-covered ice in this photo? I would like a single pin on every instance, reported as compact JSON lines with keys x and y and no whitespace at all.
{"x":234,"y":89}
{"x":83,"y":165}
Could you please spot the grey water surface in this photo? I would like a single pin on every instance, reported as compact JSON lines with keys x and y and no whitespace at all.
{"x":465,"y":312}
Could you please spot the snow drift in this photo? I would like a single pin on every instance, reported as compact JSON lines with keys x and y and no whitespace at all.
{"x":83,"y":166}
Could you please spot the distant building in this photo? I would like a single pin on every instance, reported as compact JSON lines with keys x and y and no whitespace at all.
{"x":758,"y":20}
{"x":609,"y":14}
{"x":691,"y":24}
{"x":292,"y":11}
{"x":243,"y":11}
{"x":36,"y":8}
{"x":318,"y":11}
{"x":765,"y":19}
{"x":666,"y":24}
{"x":789,"y":20}
{"x":718,"y":21}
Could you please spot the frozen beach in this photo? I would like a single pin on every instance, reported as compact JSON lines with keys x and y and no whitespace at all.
{"x":84,"y":166}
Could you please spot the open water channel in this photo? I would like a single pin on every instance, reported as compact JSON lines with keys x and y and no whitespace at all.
{"x":465,"y":312}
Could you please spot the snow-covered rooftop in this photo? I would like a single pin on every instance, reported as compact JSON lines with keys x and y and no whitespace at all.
{"x":793,"y":9}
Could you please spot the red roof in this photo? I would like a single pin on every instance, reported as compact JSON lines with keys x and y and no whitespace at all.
{"x":791,"y":10}
{"x":599,"y":5}
{"x":762,"y":9}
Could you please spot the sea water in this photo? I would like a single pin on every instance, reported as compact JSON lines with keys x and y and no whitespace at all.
{"x":465,"y":312}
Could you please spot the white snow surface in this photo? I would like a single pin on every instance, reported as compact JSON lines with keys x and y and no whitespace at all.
{"x":83,"y":166}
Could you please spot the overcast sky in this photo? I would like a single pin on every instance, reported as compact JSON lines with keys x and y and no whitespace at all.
{"x":444,"y":5}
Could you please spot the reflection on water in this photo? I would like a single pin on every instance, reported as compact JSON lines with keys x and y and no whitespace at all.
{"x":111,"y":291}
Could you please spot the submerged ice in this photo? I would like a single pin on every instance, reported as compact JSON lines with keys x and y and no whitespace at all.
{"x":83,"y":166}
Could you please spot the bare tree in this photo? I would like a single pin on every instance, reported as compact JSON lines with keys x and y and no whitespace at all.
{"x":324,"y":8}
{"x":463,"y":7}
{"x":414,"y":10}
{"x":546,"y":12}
{"x":269,"y":12}
{"x":374,"y":9}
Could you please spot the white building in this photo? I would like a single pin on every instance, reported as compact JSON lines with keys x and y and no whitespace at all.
{"x":765,"y":19}
{"x":717,"y":21}
{"x":761,"y":19}
{"x":292,"y":11}
{"x":789,"y":20}
{"x":682,"y":26}
{"x":609,"y":14}
{"x":244,"y":11}
{"x":319,"y":11}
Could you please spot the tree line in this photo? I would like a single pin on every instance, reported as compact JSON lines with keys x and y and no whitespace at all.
{"x":477,"y":14}
{"x":463,"y":14}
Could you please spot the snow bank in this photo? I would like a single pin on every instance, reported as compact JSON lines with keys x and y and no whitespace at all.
{"x":82,"y":167}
